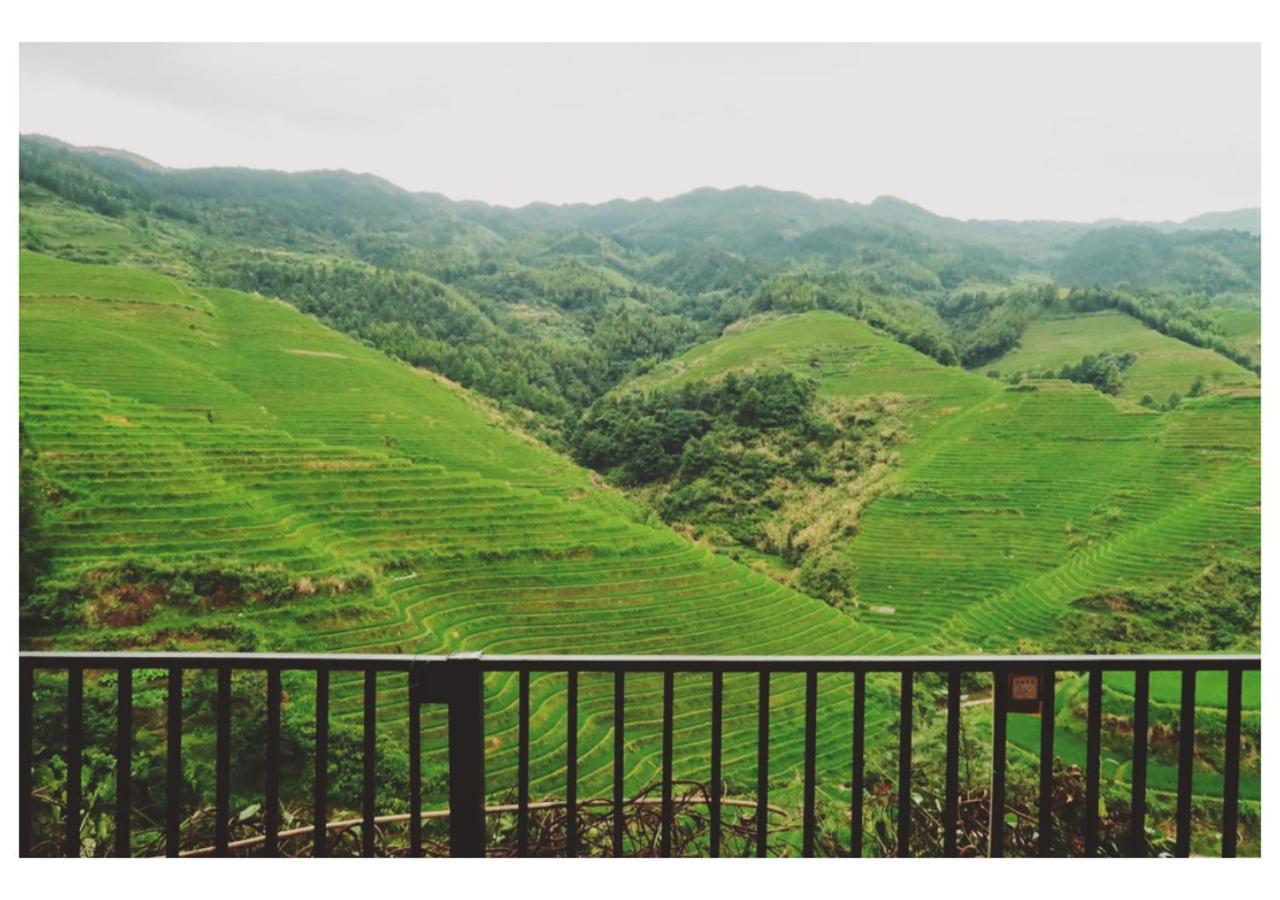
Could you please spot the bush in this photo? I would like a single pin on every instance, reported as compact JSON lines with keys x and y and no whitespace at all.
{"x":828,"y":575}
{"x":1101,"y":370}
{"x":136,"y":591}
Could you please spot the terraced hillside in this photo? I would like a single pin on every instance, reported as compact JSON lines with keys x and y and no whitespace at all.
{"x":1165,"y":365}
{"x":1010,"y":502}
{"x":206,"y":427}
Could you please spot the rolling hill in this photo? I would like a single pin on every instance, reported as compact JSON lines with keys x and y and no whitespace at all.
{"x":1011,"y":503}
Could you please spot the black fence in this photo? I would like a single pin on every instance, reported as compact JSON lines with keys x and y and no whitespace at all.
{"x":1020,"y":684}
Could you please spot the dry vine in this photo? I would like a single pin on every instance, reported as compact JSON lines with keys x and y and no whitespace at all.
{"x":548,"y":827}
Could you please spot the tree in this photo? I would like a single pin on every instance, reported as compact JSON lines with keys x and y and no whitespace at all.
{"x":828,"y":575}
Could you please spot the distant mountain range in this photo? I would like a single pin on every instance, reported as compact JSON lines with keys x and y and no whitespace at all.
{"x":613,"y":214}
{"x":704,"y":255}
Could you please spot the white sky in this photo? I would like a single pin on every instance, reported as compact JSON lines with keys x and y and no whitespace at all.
{"x":1021,"y":131}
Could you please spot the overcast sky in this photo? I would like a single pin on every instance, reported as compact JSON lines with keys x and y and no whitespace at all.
{"x":973,"y":131}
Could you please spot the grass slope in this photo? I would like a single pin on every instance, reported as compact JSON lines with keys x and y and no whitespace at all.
{"x":1243,"y":327}
{"x":1165,"y":365}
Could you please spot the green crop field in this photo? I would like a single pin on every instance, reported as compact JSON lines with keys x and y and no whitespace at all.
{"x":1164,"y":366}
{"x":1009,"y":502}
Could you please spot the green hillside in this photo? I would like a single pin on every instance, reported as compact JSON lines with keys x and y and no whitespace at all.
{"x":544,"y":309}
{"x":847,"y":356}
{"x":1243,"y":327}
{"x":1009,"y":502}
{"x":1164,"y":364}
{"x":1012,"y":503}
{"x":208,"y":432}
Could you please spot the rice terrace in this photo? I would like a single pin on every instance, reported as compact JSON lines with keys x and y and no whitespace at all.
{"x":762,"y":478}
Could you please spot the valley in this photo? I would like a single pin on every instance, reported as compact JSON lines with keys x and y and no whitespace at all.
{"x":315,"y":413}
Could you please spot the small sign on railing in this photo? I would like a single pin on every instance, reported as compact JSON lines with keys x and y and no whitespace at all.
{"x":1026,"y":693}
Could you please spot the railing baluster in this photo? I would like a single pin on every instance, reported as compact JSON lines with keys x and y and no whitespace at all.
{"x":904,"y":765}
{"x":466,"y":756}
{"x":271,"y":815}
{"x":370,"y":758}
{"x":717,"y":711}
{"x":810,"y":760}
{"x":859,"y":762}
{"x":522,"y":770}
{"x":668,"y":711}
{"x":124,"y":758}
{"x":1231,"y":766}
{"x":466,"y":748}
{"x":26,"y":735}
{"x":320,"y":837}
{"x":762,"y":769}
{"x":1045,"y":823}
{"x":75,"y":757}
{"x":222,"y":764}
{"x":999,"y":724}
{"x":950,"y":806}
{"x":1093,"y":763}
{"x":173,"y":764}
{"x":1138,"y":803}
{"x":1186,"y":759}
{"x":415,"y":776}
{"x":571,"y":764}
{"x":619,"y":719}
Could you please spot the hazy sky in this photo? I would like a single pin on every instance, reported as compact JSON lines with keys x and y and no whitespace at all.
{"x":988,"y":131}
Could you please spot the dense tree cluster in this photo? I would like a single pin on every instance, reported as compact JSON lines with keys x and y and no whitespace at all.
{"x":988,"y":324}
{"x":61,"y":175}
{"x":433,"y":325}
{"x":1207,"y":262}
{"x":1101,"y":370}
{"x":753,"y":460}
{"x":639,"y":438}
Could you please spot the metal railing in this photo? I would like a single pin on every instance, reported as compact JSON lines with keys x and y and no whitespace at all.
{"x":1020,"y":683}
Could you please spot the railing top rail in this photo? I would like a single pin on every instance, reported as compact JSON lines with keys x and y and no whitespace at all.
{"x":642,"y":663}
